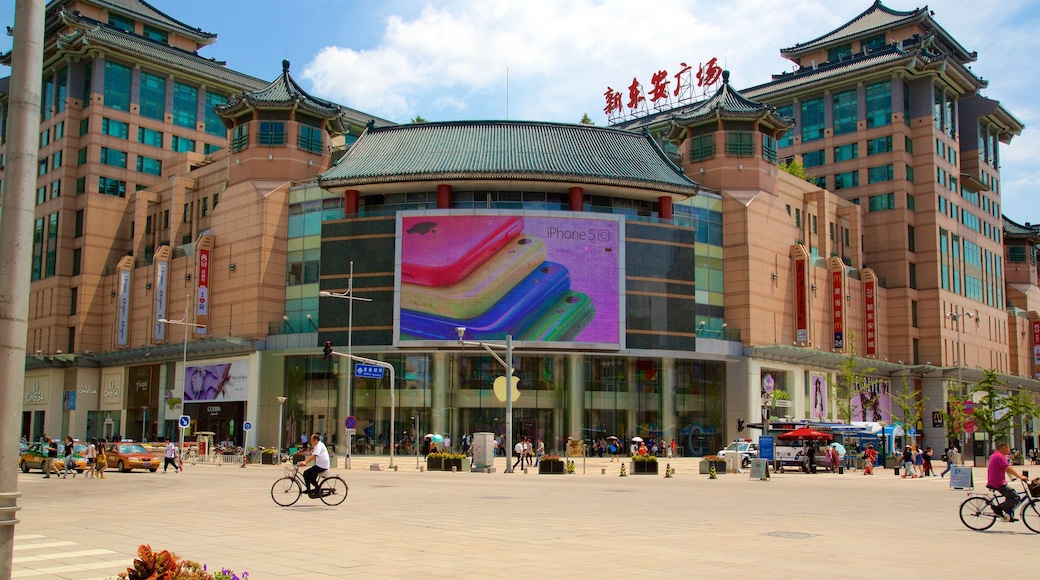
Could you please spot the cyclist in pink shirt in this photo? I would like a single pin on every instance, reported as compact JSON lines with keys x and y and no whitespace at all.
{"x":998,"y":468}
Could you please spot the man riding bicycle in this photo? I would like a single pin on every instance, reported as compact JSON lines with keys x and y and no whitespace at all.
{"x":320,"y":456}
{"x":999,"y":466}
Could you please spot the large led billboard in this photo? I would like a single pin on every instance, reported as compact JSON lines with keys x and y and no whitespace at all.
{"x":536,"y":278}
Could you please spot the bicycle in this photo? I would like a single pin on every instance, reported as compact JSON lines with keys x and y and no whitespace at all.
{"x":286,"y":491}
{"x":977,"y":511}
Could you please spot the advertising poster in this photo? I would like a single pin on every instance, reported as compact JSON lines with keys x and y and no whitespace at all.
{"x":1036,"y":348}
{"x":800,"y":305}
{"x":202,"y":309}
{"x":535,"y":278}
{"x":873,"y":402}
{"x":123,"y":307}
{"x":870,"y":316}
{"x":217,"y":382}
{"x":818,"y":384}
{"x":161,"y":270}
{"x":837,"y":279}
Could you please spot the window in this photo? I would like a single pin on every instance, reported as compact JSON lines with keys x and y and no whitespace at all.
{"x":121,"y":22}
{"x":879,"y":145}
{"x":846,"y":152}
{"x":913,"y":275}
{"x":56,"y":160}
{"x":81,"y":185}
{"x":166,"y":217}
{"x":844,"y":109}
{"x":272,"y":133}
{"x":310,"y":139}
{"x":74,"y":299}
{"x":882,"y":202}
{"x":208,"y":148}
{"x":216,"y":198}
{"x":240,"y":138}
{"x":88,"y":79}
{"x":84,"y":126}
{"x":797,"y":217}
{"x":156,"y":34}
{"x":214,"y":124}
{"x":109,"y":186}
{"x":115,"y":128}
{"x":911,"y":202}
{"x":149,"y":137}
{"x":702,"y":147}
{"x":77,"y":261}
{"x":879,"y":174}
{"x":41,"y":195}
{"x":152,"y":96}
{"x":953,"y":183}
{"x":879,"y":104}
{"x":872,"y":43}
{"x":79,"y":224}
{"x":814,"y":224}
{"x":117,"y":86}
{"x":81,"y":156}
{"x":45,"y":138}
{"x":1017,"y":254}
{"x":846,"y":180}
{"x":940,"y":176}
{"x":788,"y":139}
{"x":812,"y":120}
{"x":768,"y":148}
{"x":839,"y":52}
{"x":51,"y":257}
{"x":149,"y":165}
{"x":63,"y":92}
{"x":910,"y":174}
{"x":56,"y":189}
{"x":819,"y":181}
{"x":913,"y":313}
{"x":740,"y":144}
{"x":814,"y":158}
{"x":47,"y":99}
{"x":113,"y":157}
{"x":42,"y":169}
{"x":185,"y":105}
{"x":906,"y":108}
{"x":911,"y":241}
{"x":182,"y":144}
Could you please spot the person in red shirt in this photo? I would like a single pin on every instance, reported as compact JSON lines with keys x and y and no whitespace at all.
{"x":998,"y":468}
{"x":869,"y":458}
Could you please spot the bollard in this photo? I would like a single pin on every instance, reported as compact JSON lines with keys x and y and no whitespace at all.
{"x":623,"y":474}
{"x":245,"y":460}
{"x":454,"y":468}
{"x":602,"y":470}
{"x":668,"y":471}
{"x":712,"y":474}
{"x":525,"y":471}
{"x":422,"y":468}
{"x":395,"y":467}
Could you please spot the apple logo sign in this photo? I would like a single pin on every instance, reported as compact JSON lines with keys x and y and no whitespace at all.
{"x":500,"y":388}
{"x":422,"y":228}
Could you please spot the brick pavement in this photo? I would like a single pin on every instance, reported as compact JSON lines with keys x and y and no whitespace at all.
{"x":408,"y":524}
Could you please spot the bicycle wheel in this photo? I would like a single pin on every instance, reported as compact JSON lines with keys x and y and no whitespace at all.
{"x":977,"y":513}
{"x":1031,"y":516}
{"x":286,"y":491}
{"x":333,"y":490}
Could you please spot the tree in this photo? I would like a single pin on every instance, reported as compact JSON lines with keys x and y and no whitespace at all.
{"x":954,"y":417}
{"x":418,"y":119}
{"x":850,"y":381}
{"x":911,"y":403}
{"x":585,"y":120}
{"x":995,"y":411}
{"x":795,"y":168}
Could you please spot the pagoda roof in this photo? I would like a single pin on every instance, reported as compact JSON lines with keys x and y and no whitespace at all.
{"x":145,"y":12}
{"x":1028,"y":233}
{"x":88,"y":33}
{"x":508,"y":150}
{"x":874,"y":20}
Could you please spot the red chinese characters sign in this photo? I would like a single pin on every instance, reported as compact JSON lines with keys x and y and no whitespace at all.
{"x":839,"y":310}
{"x":1036,"y":348}
{"x":202,"y":306}
{"x":689,"y":85}
{"x":870,"y":316}
{"x":801,"y":306}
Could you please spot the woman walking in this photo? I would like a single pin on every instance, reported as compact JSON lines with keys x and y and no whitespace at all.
{"x":102,"y":461}
{"x":91,"y":458}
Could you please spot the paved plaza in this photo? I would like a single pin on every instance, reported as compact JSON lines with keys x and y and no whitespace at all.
{"x":408,"y":524}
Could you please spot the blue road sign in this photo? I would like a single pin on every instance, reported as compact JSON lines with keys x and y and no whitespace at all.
{"x":350,"y":422}
{"x":368,"y":371}
{"x":247,"y":426}
{"x":184,"y":421}
{"x":765,"y":448}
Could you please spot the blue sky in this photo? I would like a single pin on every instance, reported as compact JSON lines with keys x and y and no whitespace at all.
{"x":449,"y":60}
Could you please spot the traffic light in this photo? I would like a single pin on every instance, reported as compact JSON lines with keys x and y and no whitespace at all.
{"x":328,"y":350}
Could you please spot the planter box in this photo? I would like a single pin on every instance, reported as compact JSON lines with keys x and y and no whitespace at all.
{"x":434,"y":464}
{"x":268,"y":458}
{"x":449,"y":463}
{"x":550,"y":466}
{"x":645,"y":467}
{"x":705,"y":467}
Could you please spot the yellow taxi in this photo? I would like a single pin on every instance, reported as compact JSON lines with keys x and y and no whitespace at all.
{"x":35,"y":455}
{"x":127,"y":455}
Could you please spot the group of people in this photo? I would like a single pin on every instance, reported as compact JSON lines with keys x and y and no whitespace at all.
{"x":918,"y":462}
{"x":526,"y":451}
{"x":96,"y":460}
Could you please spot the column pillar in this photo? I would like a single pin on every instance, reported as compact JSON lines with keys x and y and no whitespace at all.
{"x":667,"y":388}
{"x":664,"y":207}
{"x":439,"y":392}
{"x":631,"y":427}
{"x":576,"y":199}
{"x":351,"y":202}
{"x":443,"y":196}
{"x":575,"y":395}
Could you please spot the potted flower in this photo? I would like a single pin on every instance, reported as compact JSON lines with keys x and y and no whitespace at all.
{"x":646,"y":464}
{"x":551,"y":464}
{"x":452,"y":460}
{"x":435,"y":461}
{"x":269,"y":456}
{"x":707,"y":460}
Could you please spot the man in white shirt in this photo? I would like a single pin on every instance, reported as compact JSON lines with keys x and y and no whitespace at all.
{"x":170,"y":456}
{"x":320,"y":456}
{"x":519,"y":449}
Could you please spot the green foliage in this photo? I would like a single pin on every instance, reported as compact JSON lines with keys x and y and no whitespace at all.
{"x":640,"y":458}
{"x":995,"y":411}
{"x":418,"y":119}
{"x":850,"y":381}
{"x":911,"y":403}
{"x":954,"y":418}
{"x":795,"y":168}
{"x":585,"y":120}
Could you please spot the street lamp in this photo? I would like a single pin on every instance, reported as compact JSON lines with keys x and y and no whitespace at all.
{"x":389,"y":367}
{"x":184,"y":358}
{"x":508,"y":363}
{"x":281,"y":402}
{"x":349,"y":295}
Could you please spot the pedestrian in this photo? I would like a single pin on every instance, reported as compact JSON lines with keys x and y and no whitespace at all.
{"x":528,"y":451}
{"x":919,"y":462}
{"x":102,"y":460}
{"x":539,"y":452}
{"x":91,"y":458}
{"x":908,"y":463}
{"x":614,"y":451}
{"x":447,"y":443}
{"x":170,"y":456}
{"x":70,"y":462}
{"x":947,"y":456}
{"x":519,"y":449}
{"x":671,"y":449}
{"x":869,"y":457}
{"x":642,"y":448}
{"x":52,"y":454}
{"x":928,"y":462}
{"x":810,"y":459}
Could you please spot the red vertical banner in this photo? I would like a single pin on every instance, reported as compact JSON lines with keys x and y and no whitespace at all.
{"x":870,"y":318}
{"x":839,"y":310}
{"x":801,"y":308}
{"x":202,"y":307}
{"x":1036,"y":348}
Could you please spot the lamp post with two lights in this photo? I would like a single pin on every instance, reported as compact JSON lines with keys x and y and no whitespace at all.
{"x":184,"y":357}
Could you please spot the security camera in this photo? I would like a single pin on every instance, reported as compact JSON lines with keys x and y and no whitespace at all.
{"x":461,"y":330}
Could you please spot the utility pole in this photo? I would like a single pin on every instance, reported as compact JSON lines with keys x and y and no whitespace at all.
{"x":16,"y":252}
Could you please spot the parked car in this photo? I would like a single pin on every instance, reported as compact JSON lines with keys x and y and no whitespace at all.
{"x":745,"y":448}
{"x":34,"y":456}
{"x":128,"y":456}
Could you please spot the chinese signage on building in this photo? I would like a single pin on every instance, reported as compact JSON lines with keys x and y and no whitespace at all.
{"x":661,"y":94}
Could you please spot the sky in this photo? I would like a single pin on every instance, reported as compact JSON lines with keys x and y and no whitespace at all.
{"x":549,"y":60}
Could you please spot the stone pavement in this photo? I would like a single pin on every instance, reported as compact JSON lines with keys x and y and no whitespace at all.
{"x":408,"y":524}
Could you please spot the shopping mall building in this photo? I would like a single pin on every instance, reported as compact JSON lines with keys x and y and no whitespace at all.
{"x":658,"y":277}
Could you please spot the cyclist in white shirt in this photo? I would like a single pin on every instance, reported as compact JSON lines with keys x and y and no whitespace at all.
{"x":320,"y":456}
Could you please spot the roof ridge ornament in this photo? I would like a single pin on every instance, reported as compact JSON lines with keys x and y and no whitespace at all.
{"x":285,"y":65}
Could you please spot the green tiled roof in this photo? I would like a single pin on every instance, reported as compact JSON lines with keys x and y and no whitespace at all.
{"x":145,"y":12}
{"x":514,"y":150}
{"x":875,"y":20}
{"x":1018,"y":231}
{"x":89,"y":33}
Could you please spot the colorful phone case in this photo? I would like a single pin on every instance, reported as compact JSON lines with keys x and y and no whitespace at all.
{"x":442,"y":250}
{"x":564,"y":321}
{"x":479,"y":291}
{"x":511,"y":315}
